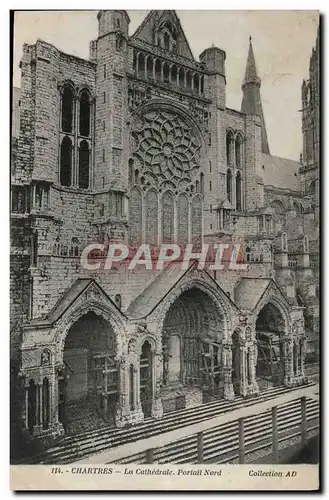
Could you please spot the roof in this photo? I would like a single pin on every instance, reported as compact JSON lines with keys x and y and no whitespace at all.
{"x":249,"y":291}
{"x":160,"y":286}
{"x":279,"y":172}
{"x":64,"y":303}
{"x":153,"y":19}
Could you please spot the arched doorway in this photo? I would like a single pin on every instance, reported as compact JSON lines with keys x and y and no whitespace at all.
{"x":88,"y":385}
{"x":270,"y":327}
{"x":192,"y":334}
{"x":146,"y":378}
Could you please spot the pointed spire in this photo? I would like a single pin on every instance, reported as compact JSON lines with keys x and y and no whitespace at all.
{"x":251,"y":101}
{"x":251,"y":71}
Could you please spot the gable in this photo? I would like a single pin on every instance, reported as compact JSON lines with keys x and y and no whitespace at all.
{"x":162,"y":26}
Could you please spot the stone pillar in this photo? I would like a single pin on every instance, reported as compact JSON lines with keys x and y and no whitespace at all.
{"x":123,"y":409}
{"x":157,"y":410}
{"x":288,"y":362}
{"x":243,"y":369}
{"x":227,"y":371}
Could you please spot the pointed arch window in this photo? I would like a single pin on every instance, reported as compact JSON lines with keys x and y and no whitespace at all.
{"x":84,"y":165}
{"x":229,"y":185}
{"x":84,"y":119}
{"x":67,"y":109}
{"x":238,"y":151}
{"x":238,"y":190}
{"x":66,"y":162}
{"x":229,"y":148}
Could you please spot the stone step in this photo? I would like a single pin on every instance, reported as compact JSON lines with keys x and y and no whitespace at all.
{"x":80,"y":446}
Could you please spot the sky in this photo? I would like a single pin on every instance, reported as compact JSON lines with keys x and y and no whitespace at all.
{"x":282,"y":42}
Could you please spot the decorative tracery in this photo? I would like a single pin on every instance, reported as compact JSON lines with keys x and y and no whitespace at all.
{"x":166,"y":150}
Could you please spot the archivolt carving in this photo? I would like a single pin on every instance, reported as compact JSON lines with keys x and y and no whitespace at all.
{"x":81,"y":308}
{"x":165,"y":149}
{"x":224,"y":314}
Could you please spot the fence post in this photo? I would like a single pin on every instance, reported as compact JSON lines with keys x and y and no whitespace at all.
{"x":200,"y":447}
{"x":241,"y":440}
{"x":275,"y":433}
{"x":149,"y":456}
{"x":303,"y":423}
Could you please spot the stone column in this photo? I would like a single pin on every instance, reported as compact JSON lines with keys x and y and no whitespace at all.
{"x":243,"y":369}
{"x":252,"y":361}
{"x":157,"y":410}
{"x":227,"y":371}
{"x":288,"y":362}
{"x":123,"y":410}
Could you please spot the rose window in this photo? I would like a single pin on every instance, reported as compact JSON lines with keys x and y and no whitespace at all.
{"x":166,"y":150}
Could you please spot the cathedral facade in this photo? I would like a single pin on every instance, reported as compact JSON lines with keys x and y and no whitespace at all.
{"x":136,"y":145}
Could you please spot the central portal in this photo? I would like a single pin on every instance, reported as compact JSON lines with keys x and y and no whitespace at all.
{"x":192,"y":353}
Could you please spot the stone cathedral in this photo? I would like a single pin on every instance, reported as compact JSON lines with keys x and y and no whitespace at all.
{"x":136,"y":145}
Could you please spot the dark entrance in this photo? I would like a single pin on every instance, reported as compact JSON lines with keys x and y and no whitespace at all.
{"x":192,"y":337}
{"x":270,"y":360}
{"x":146,"y":379}
{"x":88,"y":385}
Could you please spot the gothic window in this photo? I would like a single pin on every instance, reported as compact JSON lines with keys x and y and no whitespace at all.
{"x":202,"y":84}
{"x":173,"y":76}
{"x":296,"y":208}
{"x":67,"y":109}
{"x":84,"y":127}
{"x":260,"y":223}
{"x":181,"y":77}
{"x":131,"y":171}
{"x":166,"y":72}
{"x":84,"y":165}
{"x":278,"y":207}
{"x":182,"y":219}
{"x":229,"y":148}
{"x":135,"y":216}
{"x":197,"y":186}
{"x":34,"y":249}
{"x":284,"y":242}
{"x":149,"y":67}
{"x":19,"y":200}
{"x":306,"y":244}
{"x":166,"y":40}
{"x":229,"y":185}
{"x":166,"y":151}
{"x":238,"y":183}
{"x":151,"y":217}
{"x":196,"y":82}
{"x":197,"y":221}
{"x":158,"y":69}
{"x":167,"y":218}
{"x":141,"y":64}
{"x":238,"y":151}
{"x":188,"y":80}
{"x":66,"y":162}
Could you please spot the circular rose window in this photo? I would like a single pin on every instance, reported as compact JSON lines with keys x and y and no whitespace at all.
{"x":165,"y":149}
